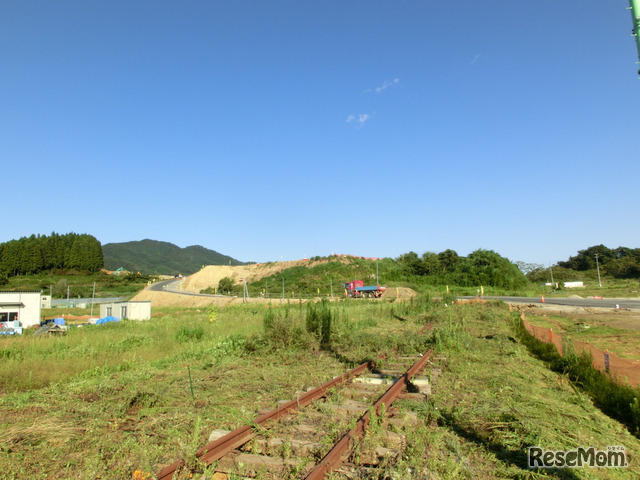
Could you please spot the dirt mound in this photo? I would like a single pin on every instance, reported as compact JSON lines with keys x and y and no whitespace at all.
{"x":210,"y":275}
{"x":399,"y":292}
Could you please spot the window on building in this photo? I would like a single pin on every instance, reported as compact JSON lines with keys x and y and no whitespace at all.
{"x":4,"y":316}
{"x":13,"y":316}
{"x":108,"y":311}
{"x":123,"y":312}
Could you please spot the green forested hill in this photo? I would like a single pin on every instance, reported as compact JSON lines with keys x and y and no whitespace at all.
{"x":37,"y":253}
{"x":152,"y":256}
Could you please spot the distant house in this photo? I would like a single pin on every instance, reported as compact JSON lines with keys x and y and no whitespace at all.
{"x":128,"y":310}
{"x":24,"y":307}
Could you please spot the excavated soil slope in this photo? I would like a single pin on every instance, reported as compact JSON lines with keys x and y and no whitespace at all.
{"x":210,"y":276}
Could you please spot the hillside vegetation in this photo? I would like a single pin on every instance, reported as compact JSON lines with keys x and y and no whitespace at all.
{"x":79,"y":284}
{"x":433,"y":273}
{"x":324,"y":275}
{"x":154,"y":257}
{"x":620,"y":263}
{"x":38,"y":253}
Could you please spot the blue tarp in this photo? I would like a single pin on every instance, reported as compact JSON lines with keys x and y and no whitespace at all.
{"x":58,"y":321}
{"x":108,"y":319}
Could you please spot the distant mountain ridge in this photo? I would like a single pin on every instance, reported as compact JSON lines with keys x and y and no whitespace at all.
{"x":155,"y":257}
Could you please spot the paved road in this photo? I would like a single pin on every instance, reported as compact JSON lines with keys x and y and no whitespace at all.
{"x":574,"y":302}
{"x":173,"y":286}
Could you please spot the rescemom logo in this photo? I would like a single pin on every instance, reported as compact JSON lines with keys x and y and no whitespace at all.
{"x":613,"y":456}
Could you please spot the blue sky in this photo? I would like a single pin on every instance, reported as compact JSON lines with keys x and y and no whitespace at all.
{"x":284,"y":129}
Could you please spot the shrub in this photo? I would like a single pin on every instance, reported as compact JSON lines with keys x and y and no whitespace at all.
{"x":225,"y":285}
{"x":189,"y":334}
{"x":284,"y":332}
{"x":318,"y":322}
{"x":313,"y":319}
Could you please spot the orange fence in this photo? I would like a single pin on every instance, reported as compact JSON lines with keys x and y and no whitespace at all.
{"x":625,"y":371}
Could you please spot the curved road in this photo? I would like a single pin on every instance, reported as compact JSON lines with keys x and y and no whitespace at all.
{"x":573,"y":302}
{"x":173,"y":286}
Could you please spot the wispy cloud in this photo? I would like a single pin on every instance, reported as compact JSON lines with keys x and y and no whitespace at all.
{"x":383,"y":87}
{"x":475,"y":58}
{"x":358,"y":119}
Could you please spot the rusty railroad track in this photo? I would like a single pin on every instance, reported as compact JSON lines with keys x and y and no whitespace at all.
{"x":250,"y":450}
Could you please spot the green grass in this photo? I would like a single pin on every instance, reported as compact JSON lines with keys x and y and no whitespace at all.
{"x":595,"y":329}
{"x":80,"y":284}
{"x":107,"y":400}
{"x":31,"y":362}
{"x":611,"y":288}
{"x":495,"y":399}
{"x":616,"y":400}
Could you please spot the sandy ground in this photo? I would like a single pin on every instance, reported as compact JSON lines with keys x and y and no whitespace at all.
{"x":618,"y":318}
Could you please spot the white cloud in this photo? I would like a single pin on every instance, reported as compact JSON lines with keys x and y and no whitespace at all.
{"x":475,"y":58}
{"x":386,"y":84}
{"x":359,"y":119}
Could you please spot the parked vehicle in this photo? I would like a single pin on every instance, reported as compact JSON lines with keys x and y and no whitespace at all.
{"x":357,"y":289}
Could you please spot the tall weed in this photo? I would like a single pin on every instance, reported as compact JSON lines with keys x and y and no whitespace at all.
{"x":190,"y":334}
{"x":284,"y":331}
{"x":318,"y":322}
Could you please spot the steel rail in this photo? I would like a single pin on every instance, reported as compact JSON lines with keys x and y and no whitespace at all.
{"x":217,"y":449}
{"x":333,"y":459}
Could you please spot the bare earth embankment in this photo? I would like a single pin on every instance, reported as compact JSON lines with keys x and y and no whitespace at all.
{"x":210,"y":276}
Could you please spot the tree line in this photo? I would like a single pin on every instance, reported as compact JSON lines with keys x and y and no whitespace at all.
{"x":621,"y":262}
{"x":37,"y":253}
{"x":481,"y":267}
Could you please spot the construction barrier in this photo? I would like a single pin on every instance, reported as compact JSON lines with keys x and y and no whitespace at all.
{"x":623,"y":370}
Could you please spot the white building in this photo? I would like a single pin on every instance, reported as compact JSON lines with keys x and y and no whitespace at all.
{"x":129,"y":310}
{"x":24,"y":307}
{"x":46,"y":301}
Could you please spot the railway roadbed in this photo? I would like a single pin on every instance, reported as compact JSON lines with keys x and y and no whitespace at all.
{"x":347,"y":426}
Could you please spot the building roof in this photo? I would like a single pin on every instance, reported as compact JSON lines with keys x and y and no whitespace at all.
{"x":20,"y":291}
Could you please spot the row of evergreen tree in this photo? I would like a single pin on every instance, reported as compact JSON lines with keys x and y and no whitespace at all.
{"x":37,"y":253}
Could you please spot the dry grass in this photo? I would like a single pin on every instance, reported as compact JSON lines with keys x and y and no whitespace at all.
{"x":49,"y":431}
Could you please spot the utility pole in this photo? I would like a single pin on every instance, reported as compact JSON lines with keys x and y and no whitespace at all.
{"x":551,"y":272}
{"x":634,"y":6}
{"x":93,"y":296}
{"x":245,"y":292}
{"x":598,"y":268}
{"x":282,"y":288}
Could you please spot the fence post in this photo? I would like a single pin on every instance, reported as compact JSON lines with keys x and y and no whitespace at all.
{"x":606,"y":361}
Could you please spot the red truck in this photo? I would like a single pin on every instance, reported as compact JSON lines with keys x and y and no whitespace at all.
{"x":357,"y":289}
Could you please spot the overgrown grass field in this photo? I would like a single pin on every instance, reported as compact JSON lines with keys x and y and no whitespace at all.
{"x":107,"y":400}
